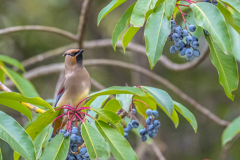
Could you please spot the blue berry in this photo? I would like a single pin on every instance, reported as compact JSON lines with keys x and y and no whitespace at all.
{"x":207,"y":1}
{"x":189,"y":39}
{"x":86,"y":155}
{"x":135,"y":123}
{"x":192,"y":28}
{"x":129,"y":127}
{"x":66,"y":134}
{"x":149,"y":120}
{"x":184,"y":33}
{"x":62,"y":131}
{"x":151,"y":127}
{"x":196,"y":53}
{"x":178,"y":48}
{"x":79,"y":139}
{"x":74,"y":148}
{"x":152,"y":134}
{"x":194,"y":38}
{"x":143,"y":131}
{"x":195,"y":45}
{"x":188,"y":52}
{"x":149,"y":112}
{"x":126,"y":130}
{"x":175,"y":36}
{"x":182,"y":52}
{"x":83,"y":150}
{"x":172,"y":49}
{"x":157,"y":123}
{"x":189,"y":57}
{"x":206,"y":32}
{"x":178,"y":43}
{"x":144,"y":138}
{"x":71,"y":158}
{"x":125,"y":135}
{"x":79,"y":157}
{"x":214,"y":2}
{"x":134,"y":111}
{"x":155,"y":113}
{"x":74,"y":130}
{"x":73,"y":137}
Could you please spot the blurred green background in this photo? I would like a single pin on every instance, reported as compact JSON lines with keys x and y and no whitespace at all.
{"x":201,"y":83}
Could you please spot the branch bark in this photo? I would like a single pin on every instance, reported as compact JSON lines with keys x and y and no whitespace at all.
{"x":53,"y":68}
{"x":58,"y":31}
{"x":82,"y":22}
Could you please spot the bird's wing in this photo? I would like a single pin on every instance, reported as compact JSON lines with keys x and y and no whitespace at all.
{"x":60,"y":92}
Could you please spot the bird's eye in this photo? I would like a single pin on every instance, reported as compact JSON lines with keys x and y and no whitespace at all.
{"x":72,"y":54}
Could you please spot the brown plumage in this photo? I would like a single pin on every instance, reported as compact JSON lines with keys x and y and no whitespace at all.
{"x":76,"y":84}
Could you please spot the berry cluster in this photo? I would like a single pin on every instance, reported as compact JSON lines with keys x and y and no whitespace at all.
{"x":214,"y":2}
{"x":152,"y":126}
{"x":131,"y":125}
{"x":75,"y":142}
{"x":178,"y":34}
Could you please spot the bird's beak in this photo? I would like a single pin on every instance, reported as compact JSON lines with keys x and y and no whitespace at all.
{"x":79,"y":52}
{"x":64,"y":54}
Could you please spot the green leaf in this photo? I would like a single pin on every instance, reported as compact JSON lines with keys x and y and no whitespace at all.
{"x":226,"y":66}
{"x":40,"y":139}
{"x":2,"y":74}
{"x":125,"y":100}
{"x":57,"y":149}
{"x":41,"y":122}
{"x":113,"y":105}
{"x":141,"y":107}
{"x":23,"y":85}
{"x":233,"y":20}
{"x":120,"y":147}
{"x":175,"y":118}
{"x":96,"y":145}
{"x":162,"y":98}
{"x":235,"y":4}
{"x":210,"y":18}
{"x":235,"y":42}
{"x":156,"y":31}
{"x":169,"y":5}
{"x":119,"y":90}
{"x":18,"y":107}
{"x":127,"y":37}
{"x":231,"y":131}
{"x":139,"y":12}
{"x":111,"y":6}
{"x":1,"y":155}
{"x":111,"y":117}
{"x":121,"y":25}
{"x":12,"y":61}
{"x":12,"y":132}
{"x":18,"y":97}
{"x":186,"y":114}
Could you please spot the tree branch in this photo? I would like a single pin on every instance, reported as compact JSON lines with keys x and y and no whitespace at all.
{"x":53,"y":68}
{"x":28,"y":105}
{"x":82,"y":22}
{"x":58,"y":31}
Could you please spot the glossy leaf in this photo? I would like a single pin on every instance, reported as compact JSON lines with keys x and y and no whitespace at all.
{"x":141,"y":107}
{"x":40,"y":139}
{"x":119,"y":90}
{"x":111,"y":6}
{"x":120,"y":147}
{"x":210,"y":18}
{"x":113,"y":105}
{"x":1,"y":155}
{"x":233,"y":20}
{"x":139,"y":12}
{"x":186,"y":114}
{"x":235,"y":42}
{"x":235,"y":4}
{"x":111,"y":117}
{"x":156,"y":31}
{"x":127,"y":37}
{"x":12,"y":132}
{"x":175,"y":118}
{"x":12,"y":61}
{"x":170,"y":5}
{"x":125,"y":100}
{"x":96,"y":145}
{"x":2,"y":74}
{"x":57,"y":149}
{"x":226,"y":66}
{"x":41,"y":122}
{"x":162,"y":98}
{"x":231,"y":131}
{"x":18,"y":107}
{"x":23,"y":85}
{"x":121,"y":25}
{"x":18,"y":97}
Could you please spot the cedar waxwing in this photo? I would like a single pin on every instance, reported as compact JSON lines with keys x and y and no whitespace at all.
{"x":76,"y":84}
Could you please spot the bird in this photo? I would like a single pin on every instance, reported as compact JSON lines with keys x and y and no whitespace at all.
{"x":76,"y":84}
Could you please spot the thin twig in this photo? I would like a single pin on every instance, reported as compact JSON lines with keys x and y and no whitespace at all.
{"x":28,"y":105}
{"x":58,"y":31}
{"x":132,"y":46}
{"x":82,"y":22}
{"x":53,"y":68}
{"x":157,"y":151}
